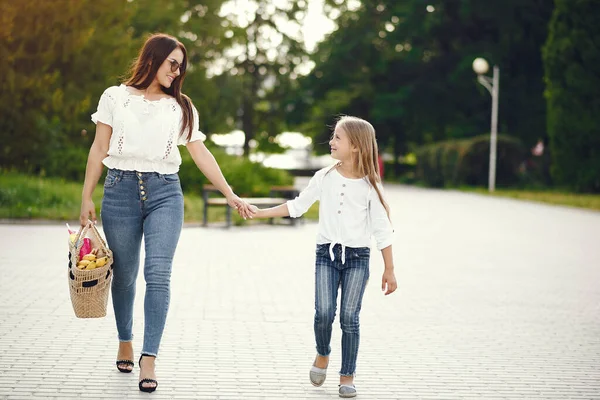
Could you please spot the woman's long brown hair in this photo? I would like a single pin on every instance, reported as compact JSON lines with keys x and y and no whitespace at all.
{"x":143,"y":71}
{"x":362,"y":135}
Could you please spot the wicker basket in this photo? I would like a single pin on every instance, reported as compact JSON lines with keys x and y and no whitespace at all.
{"x":89,"y":289}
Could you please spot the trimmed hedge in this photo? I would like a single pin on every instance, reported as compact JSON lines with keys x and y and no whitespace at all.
{"x":466,"y":162}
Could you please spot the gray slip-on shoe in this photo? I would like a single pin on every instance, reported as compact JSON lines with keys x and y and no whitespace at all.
{"x":347,"y":391}
{"x":317,"y":375}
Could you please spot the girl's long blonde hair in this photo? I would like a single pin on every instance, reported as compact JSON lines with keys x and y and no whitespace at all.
{"x":362,"y":135}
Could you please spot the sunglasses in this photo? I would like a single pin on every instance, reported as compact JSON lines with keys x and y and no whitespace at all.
{"x":175,"y":65}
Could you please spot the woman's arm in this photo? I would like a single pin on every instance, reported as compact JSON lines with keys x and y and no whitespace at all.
{"x":208,"y":165}
{"x":93,"y":170}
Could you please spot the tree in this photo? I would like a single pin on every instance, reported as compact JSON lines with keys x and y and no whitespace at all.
{"x":263,"y":50}
{"x":200,"y":27}
{"x":406,"y":66}
{"x":571,"y":60}
{"x":54,"y":58}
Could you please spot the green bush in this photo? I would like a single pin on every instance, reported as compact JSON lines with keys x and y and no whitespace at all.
{"x":67,"y":162}
{"x":424,"y":169}
{"x":466,"y":162}
{"x":247,"y":178}
{"x":452,"y":152}
{"x":394,"y":171}
{"x":473,"y":167}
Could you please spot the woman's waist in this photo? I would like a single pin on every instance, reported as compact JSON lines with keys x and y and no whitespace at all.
{"x":141,"y":164}
{"x":135,"y":174}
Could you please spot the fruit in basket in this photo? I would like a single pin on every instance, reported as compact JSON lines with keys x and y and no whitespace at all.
{"x":90,"y":257}
{"x":101,"y":262}
{"x":91,"y":265}
{"x":82,"y":264}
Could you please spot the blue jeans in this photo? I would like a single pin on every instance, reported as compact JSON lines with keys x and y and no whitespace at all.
{"x":144,"y":204}
{"x":352,"y":277}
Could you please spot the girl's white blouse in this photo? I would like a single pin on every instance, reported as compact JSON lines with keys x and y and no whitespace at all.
{"x":350,"y":212}
{"x":145,"y":133}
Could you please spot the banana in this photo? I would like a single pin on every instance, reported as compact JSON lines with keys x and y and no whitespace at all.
{"x":101,"y":262}
{"x":83,"y":263}
{"x":91,"y":265}
{"x":94,"y":252}
{"x":90,"y":257}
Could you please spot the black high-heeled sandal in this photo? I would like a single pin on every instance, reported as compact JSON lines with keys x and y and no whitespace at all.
{"x":147,"y":389}
{"x":127,"y":363}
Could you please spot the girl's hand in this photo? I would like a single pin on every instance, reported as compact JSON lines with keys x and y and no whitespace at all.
{"x":254,"y":210}
{"x":88,"y":212}
{"x":390,"y":279}
{"x":241,"y":206}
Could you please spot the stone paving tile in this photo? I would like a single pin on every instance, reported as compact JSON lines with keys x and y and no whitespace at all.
{"x":498,"y":299}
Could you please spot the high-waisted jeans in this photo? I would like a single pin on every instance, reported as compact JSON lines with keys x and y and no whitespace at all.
{"x":137,"y":204}
{"x":352,"y":277}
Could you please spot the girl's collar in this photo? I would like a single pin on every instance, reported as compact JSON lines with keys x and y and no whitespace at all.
{"x":335,"y":167}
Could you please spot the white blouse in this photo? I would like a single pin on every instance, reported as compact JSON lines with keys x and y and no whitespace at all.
{"x":144,"y":132}
{"x":350,"y":211}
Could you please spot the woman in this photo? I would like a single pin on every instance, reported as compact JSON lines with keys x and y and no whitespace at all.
{"x":138,"y":125}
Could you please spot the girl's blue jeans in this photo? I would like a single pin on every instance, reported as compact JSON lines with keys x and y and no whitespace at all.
{"x":352,"y":278}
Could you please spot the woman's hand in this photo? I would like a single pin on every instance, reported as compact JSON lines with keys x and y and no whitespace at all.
{"x":389,"y":279}
{"x":241,"y":206}
{"x":88,"y":212}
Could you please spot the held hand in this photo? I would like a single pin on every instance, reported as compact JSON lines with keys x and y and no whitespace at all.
{"x":240,"y":205}
{"x":390,"y":279}
{"x":88,"y":212}
{"x":254,"y":210}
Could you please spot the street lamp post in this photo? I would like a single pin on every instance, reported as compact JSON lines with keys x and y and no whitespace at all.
{"x":480,"y":66}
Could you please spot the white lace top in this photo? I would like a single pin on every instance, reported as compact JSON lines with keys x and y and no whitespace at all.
{"x":145,"y":133}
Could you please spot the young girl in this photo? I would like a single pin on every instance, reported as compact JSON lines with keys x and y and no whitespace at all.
{"x":139,"y":125}
{"x":351,"y":209}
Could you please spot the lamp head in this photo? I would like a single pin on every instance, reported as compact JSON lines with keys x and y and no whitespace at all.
{"x":480,"y":66}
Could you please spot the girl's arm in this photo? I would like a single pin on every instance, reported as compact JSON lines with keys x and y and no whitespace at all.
{"x":295,"y":208}
{"x":382,"y":230}
{"x":206,"y":162}
{"x":273,"y":212}
{"x":93,"y":170}
{"x":388,"y":278}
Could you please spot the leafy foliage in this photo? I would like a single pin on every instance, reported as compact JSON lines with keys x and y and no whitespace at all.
{"x":572,"y":62}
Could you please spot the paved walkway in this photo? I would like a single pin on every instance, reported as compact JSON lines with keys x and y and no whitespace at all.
{"x":498,"y":299}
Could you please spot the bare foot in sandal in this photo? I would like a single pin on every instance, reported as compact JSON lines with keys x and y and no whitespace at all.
{"x":148,"y":381}
{"x":125,"y":357}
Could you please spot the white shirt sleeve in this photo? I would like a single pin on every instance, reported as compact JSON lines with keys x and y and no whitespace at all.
{"x":196,"y":133}
{"x":106,"y":107}
{"x":308,"y":196}
{"x":381,"y":227}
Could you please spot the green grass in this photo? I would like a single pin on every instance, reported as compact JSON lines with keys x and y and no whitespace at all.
{"x":589,"y":201}
{"x":31,"y":197}
{"x":28,"y":197}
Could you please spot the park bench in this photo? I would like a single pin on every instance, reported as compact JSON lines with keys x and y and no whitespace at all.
{"x":284,"y":193}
